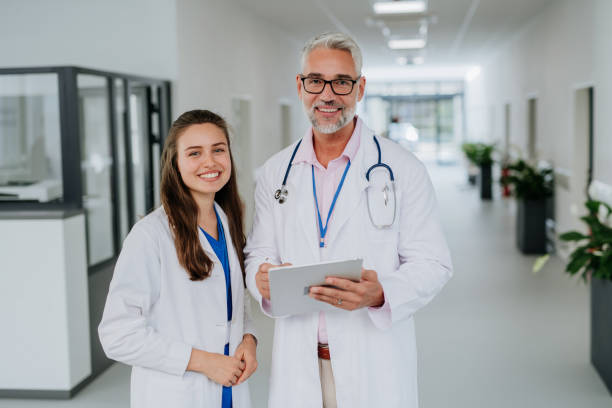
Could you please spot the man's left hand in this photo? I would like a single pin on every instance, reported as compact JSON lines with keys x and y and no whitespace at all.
{"x":349,"y":295}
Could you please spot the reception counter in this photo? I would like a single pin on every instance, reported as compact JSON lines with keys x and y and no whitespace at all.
{"x":45,"y":347}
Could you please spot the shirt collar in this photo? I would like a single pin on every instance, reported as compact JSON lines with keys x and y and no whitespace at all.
{"x":306,"y":153}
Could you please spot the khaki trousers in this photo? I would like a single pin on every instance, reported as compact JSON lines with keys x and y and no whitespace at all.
{"x":328,"y":387}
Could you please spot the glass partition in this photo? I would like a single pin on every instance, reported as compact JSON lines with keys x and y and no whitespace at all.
{"x":75,"y":138}
{"x":139,"y":149}
{"x":96,"y":166}
{"x":156,"y":148}
{"x":122,"y":181}
{"x":30,"y":145}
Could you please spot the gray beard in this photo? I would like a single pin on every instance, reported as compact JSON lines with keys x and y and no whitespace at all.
{"x":345,"y":117}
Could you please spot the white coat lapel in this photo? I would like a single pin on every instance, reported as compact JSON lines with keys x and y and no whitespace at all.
{"x":206,"y":246}
{"x":303,"y":205}
{"x":232,"y":257}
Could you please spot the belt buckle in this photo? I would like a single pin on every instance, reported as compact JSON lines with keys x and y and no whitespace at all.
{"x":323,"y":351}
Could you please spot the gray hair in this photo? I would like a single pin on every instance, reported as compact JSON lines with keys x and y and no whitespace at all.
{"x":334,"y":41}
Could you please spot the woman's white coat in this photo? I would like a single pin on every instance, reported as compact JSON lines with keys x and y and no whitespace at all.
{"x":155,"y":315}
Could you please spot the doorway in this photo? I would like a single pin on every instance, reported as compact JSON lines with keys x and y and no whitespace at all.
{"x":532,"y":106}
{"x":241,"y":151}
{"x":507,"y":118}
{"x":582,"y":163}
{"x":286,"y":124}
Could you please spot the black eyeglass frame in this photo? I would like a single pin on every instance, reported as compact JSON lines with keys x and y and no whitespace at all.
{"x":331,"y":84}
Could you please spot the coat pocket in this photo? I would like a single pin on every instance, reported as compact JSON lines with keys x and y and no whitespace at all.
{"x":158,"y":389}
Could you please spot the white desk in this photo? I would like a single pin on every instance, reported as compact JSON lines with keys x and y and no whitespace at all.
{"x":44,"y":313}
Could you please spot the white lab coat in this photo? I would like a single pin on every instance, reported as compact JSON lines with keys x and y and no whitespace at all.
{"x":373,"y":352}
{"x":154,"y":315}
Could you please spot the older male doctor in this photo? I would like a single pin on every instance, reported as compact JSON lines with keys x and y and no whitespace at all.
{"x":337,"y":182}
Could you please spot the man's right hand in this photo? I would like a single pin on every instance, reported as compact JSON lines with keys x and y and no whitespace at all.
{"x":262,"y":281}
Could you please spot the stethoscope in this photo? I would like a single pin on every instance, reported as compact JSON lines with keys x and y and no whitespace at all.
{"x":281,"y":194}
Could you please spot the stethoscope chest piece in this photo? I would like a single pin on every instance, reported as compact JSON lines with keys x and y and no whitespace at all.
{"x":380,"y":196}
{"x":281,"y":194}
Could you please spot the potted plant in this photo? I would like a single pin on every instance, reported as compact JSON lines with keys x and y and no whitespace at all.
{"x":469,"y":149}
{"x":532,"y":187}
{"x":484,"y":159}
{"x":592,"y":261}
{"x":505,"y":172}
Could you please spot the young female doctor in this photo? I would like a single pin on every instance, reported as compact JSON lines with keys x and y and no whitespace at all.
{"x":175,"y":309}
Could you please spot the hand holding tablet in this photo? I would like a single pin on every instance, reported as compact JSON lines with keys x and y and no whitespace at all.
{"x":290,"y":285}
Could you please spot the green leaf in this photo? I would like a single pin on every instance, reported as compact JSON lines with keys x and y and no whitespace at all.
{"x":605,"y":266}
{"x":540,"y":262}
{"x":605,"y":234}
{"x":578,"y":262}
{"x":573,"y":236}
{"x":592,"y":206}
{"x":604,"y":271}
{"x":607,"y":208}
{"x":580,"y":250}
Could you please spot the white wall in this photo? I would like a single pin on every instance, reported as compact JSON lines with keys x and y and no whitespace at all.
{"x":135,"y":37}
{"x":225,"y":52}
{"x":563,"y":48}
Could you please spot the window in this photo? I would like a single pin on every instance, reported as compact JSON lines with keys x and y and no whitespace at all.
{"x":96,"y":166}
{"x":30,"y":148}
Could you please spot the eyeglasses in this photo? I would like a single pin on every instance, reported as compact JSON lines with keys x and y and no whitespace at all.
{"x":315,"y":85}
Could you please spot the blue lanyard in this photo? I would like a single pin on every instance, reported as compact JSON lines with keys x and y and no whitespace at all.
{"x":323,"y":229}
{"x":219,"y":247}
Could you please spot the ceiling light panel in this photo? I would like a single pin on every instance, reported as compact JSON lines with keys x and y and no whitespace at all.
{"x":400,"y":7}
{"x":404,"y":28}
{"x":407,"y":44}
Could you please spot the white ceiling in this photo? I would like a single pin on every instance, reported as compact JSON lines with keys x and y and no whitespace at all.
{"x":460,"y":33}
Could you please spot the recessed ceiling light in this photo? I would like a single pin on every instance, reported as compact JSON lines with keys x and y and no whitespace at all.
{"x":402,"y":60}
{"x":472,"y":73}
{"x":399,"y":7}
{"x":407,"y":44}
{"x":418,"y":60}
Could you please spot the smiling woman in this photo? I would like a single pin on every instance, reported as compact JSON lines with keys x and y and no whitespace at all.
{"x":175,"y":309}
{"x":196,"y":149}
{"x":205,"y":165}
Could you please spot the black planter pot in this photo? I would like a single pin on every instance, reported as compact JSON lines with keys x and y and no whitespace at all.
{"x":601,"y":329}
{"x":531,"y":226}
{"x":485,"y":182}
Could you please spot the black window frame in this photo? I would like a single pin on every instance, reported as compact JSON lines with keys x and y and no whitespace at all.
{"x":68,"y":102}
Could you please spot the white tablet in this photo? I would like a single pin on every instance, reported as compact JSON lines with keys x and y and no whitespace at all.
{"x":289,"y":285}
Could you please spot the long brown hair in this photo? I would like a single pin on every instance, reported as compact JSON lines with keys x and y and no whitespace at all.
{"x":182,"y":209}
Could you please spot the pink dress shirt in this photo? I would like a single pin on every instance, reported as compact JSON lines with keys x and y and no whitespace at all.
{"x":326,"y":181}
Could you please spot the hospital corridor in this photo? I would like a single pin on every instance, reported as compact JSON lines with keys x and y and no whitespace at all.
{"x":457,"y":150}
{"x":498,"y":335}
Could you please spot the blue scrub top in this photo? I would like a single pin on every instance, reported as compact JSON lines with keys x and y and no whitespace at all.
{"x":220,"y":248}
